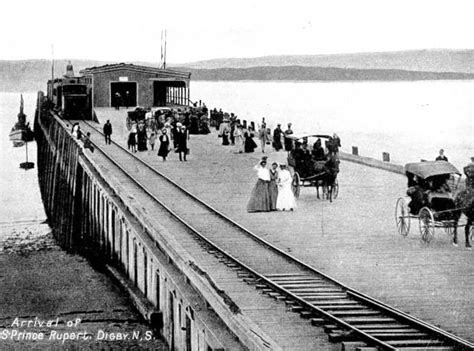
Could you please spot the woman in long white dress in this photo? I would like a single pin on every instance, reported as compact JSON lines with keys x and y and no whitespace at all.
{"x":238,"y":139}
{"x":286,"y":199}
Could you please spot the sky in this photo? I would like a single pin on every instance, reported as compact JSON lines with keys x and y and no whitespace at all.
{"x":125,"y":31}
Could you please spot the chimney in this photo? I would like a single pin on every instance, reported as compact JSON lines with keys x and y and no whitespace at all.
{"x":69,"y":70}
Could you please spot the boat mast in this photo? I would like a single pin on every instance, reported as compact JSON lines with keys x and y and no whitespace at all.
{"x":21,"y":105}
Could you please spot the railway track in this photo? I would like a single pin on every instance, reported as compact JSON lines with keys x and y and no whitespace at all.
{"x":346,"y":314}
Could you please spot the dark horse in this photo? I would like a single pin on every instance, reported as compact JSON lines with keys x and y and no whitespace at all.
{"x":327,"y":179}
{"x":464,"y":202}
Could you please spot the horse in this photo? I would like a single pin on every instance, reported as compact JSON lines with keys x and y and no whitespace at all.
{"x":464,"y":202}
{"x":327,"y":178}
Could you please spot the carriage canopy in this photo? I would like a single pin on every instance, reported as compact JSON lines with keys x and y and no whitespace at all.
{"x":299,"y":136}
{"x":429,"y":169}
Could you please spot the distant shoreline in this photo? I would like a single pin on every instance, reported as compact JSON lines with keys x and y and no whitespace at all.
{"x":421,"y":65}
{"x":257,"y":81}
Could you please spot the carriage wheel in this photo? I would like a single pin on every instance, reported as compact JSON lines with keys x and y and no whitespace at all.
{"x":402,"y":217}
{"x":128,"y":123}
{"x":295,"y":185}
{"x":335,"y":190}
{"x":427,"y":224}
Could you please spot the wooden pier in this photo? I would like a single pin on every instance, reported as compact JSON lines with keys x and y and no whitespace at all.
{"x":353,"y":239}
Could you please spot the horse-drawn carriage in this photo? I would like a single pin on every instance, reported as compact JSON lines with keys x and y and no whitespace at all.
{"x":314,"y":167}
{"x":149,"y":117}
{"x":434,"y":198}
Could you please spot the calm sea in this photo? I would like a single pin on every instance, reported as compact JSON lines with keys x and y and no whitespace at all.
{"x":410,"y":120}
{"x":20,"y":198}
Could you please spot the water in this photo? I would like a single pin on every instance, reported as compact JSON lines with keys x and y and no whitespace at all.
{"x":20,"y":199}
{"x":410,"y":120}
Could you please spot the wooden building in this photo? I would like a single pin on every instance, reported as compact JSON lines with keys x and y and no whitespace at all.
{"x":133,"y":85}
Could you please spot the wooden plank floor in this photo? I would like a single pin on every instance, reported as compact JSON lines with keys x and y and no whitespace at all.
{"x":354,"y":239}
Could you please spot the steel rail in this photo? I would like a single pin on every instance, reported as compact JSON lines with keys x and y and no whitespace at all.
{"x":399,"y":315}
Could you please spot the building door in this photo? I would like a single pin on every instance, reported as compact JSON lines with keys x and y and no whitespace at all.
{"x":123,"y":94}
{"x":159,"y":93}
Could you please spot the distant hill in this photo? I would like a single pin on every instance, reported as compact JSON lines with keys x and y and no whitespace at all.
{"x":301,"y":73}
{"x":460,"y":61}
{"x":31,"y":75}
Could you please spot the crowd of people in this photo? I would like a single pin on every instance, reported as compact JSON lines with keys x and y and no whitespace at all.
{"x":174,"y":135}
{"x":273,"y":189}
{"x":171,"y":127}
{"x":241,"y":135}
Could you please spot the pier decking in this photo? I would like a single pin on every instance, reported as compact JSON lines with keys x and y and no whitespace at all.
{"x":353,"y":239}
{"x":208,"y":275}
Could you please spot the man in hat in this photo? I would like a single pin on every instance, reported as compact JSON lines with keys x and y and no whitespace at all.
{"x":469,"y":172}
{"x":107,"y":131}
{"x":288,"y":141}
{"x":181,"y":141}
{"x":277,"y":132}
{"x":441,"y":156}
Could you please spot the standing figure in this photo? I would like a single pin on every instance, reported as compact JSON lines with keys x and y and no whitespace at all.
{"x":469,"y":172}
{"x":107,"y":132}
{"x":260,"y":197}
{"x":142,"y":137}
{"x":249,"y":143}
{"x":263,"y":136}
{"x":337,"y":142}
{"x":277,"y":133}
{"x":181,"y":136}
{"x":224,"y":131}
{"x":127,"y":99}
{"x":273,"y":186}
{"x":132,"y":142}
{"x":238,"y":139}
{"x":288,"y":140}
{"x":441,"y":156}
{"x":286,"y":198}
{"x":76,"y":131}
{"x":232,"y":129}
{"x":220,"y":118}
{"x":152,"y":140}
{"x":118,"y":100}
{"x":164,"y":144}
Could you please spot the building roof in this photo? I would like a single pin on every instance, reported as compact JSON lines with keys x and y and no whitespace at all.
{"x":138,"y":68}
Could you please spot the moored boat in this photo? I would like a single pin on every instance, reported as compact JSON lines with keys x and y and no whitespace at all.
{"x":21,"y":131}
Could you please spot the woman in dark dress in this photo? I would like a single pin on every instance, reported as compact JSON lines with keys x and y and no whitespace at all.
{"x":132,"y":142}
{"x":224,"y":131}
{"x":287,"y":139}
{"x":249,"y":144}
{"x":273,"y":186}
{"x":142,"y":138}
{"x":181,"y":141}
{"x":277,"y":133}
{"x":164,"y":144}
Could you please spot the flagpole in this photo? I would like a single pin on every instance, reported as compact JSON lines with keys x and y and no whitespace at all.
{"x":52,"y":63}
{"x":164,"y":57}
